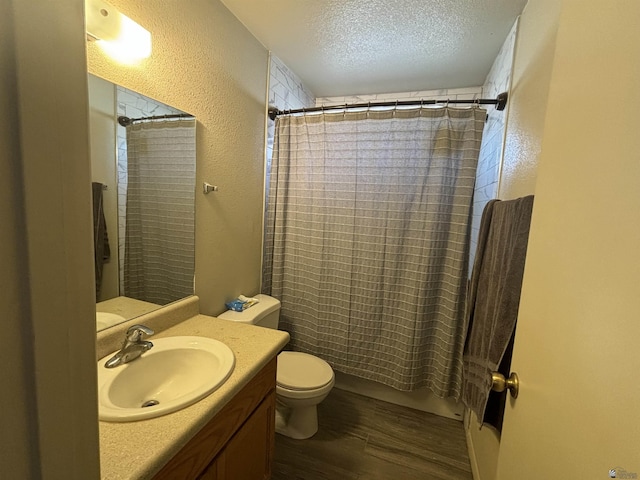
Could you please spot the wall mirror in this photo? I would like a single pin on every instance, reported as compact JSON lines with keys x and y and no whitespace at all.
{"x":143,"y":162}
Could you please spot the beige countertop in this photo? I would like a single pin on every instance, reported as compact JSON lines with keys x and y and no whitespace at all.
{"x":137,"y":450}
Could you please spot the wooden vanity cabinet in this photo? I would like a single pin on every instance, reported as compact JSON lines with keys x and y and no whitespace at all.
{"x":238,"y":442}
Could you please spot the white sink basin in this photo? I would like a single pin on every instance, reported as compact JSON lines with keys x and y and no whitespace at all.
{"x":175,"y":373}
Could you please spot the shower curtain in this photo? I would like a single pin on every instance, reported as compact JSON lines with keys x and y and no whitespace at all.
{"x":160,"y":218}
{"x":367,"y":239}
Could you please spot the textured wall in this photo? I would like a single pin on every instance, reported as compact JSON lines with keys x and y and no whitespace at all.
{"x":532,"y":67}
{"x":206,"y":63}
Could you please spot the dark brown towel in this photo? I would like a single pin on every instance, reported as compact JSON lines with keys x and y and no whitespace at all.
{"x":101,"y":249}
{"x":494,"y":295}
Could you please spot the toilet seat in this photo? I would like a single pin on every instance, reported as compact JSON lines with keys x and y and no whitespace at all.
{"x":299,"y":371}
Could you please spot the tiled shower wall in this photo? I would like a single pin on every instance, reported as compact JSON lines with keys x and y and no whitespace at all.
{"x":286,"y":92}
{"x":470,"y":93}
{"x":133,"y":105}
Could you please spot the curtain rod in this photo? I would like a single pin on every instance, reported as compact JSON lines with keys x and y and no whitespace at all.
{"x":126,"y":121}
{"x":500,"y":103}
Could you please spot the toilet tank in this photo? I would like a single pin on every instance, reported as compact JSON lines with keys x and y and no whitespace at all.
{"x":265,"y":313}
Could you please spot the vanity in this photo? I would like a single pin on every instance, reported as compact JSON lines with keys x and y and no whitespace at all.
{"x":229,"y":434}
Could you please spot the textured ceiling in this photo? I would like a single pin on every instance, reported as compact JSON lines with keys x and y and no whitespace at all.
{"x":347,"y":47}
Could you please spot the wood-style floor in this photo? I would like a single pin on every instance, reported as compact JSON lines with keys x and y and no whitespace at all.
{"x":364,"y":438}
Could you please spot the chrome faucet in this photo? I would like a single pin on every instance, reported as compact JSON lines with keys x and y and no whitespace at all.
{"x":132,"y":347}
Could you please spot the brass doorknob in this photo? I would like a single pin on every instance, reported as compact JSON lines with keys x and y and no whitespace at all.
{"x":500,"y":384}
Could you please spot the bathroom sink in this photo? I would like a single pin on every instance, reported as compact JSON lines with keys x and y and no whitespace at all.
{"x":175,"y":373}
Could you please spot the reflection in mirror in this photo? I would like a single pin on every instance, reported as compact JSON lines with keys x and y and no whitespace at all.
{"x":143,"y":178}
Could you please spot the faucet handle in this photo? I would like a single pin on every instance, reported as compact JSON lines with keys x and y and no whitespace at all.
{"x":137,"y":332}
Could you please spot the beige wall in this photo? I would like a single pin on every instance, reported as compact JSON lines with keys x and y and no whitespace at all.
{"x":49,"y":420}
{"x":206,"y":63}
{"x":535,"y":47}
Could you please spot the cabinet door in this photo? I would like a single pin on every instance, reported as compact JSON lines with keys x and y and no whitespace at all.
{"x":198,"y":457}
{"x":249,"y":454}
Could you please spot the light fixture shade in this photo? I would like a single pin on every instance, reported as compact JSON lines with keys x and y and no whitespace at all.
{"x":118,"y":35}
{"x":104,"y":22}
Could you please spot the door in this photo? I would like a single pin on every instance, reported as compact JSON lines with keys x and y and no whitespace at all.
{"x":577,"y":349}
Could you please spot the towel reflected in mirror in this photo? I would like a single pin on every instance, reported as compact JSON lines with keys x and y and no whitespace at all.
{"x":101,"y":249}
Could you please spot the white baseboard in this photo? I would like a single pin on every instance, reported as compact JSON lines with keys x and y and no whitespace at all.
{"x":483,"y":446}
{"x":475,"y":472}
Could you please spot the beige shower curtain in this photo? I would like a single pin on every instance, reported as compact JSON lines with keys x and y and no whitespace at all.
{"x":367,"y":240}
{"x":160,"y":218}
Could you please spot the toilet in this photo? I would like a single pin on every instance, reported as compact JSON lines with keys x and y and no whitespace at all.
{"x":302,"y":380}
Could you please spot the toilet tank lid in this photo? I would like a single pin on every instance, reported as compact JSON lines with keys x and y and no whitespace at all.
{"x":265,"y":306}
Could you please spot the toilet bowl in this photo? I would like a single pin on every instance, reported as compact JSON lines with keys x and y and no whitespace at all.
{"x":302,"y":380}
